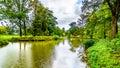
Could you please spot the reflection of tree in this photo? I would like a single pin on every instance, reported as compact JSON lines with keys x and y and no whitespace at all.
{"x":74,"y":43}
{"x":22,"y":58}
{"x":42,"y":54}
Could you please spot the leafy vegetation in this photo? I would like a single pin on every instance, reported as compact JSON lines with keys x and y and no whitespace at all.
{"x":20,"y":20}
{"x":88,"y":43}
{"x":104,"y":53}
{"x":3,"y":42}
{"x":3,"y":30}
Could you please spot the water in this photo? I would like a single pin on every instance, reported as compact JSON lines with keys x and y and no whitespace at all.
{"x":48,"y":54}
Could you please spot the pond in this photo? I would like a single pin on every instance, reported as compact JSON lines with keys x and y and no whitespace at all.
{"x":46,"y":54}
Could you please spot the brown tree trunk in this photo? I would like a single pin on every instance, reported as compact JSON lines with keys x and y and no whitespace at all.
{"x":20,"y":29}
{"x":24,"y":28}
{"x":114,"y":28}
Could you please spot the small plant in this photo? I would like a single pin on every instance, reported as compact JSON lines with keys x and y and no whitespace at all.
{"x":56,"y":37}
{"x":88,"y":43}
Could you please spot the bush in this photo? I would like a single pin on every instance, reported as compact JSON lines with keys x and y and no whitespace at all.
{"x":37,"y":38}
{"x":3,"y":42}
{"x":104,"y":54}
{"x":14,"y":39}
{"x":115,"y":44}
{"x":88,"y":43}
{"x":56,"y":37}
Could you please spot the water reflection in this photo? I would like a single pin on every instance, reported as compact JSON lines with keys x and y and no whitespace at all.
{"x":74,"y":43}
{"x":66,"y":58}
{"x":48,"y":54}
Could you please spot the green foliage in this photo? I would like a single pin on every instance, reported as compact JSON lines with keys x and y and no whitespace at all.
{"x":104,"y":54}
{"x":58,"y":32}
{"x":15,"y":12}
{"x":3,"y":42}
{"x":88,"y":43}
{"x":115,"y":44}
{"x":37,"y":38}
{"x":8,"y":37}
{"x":3,"y":29}
{"x":14,"y":39}
{"x":44,"y":22}
{"x":56,"y":37}
{"x":75,"y":31}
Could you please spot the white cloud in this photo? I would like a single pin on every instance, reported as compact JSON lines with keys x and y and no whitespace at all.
{"x":66,"y":11}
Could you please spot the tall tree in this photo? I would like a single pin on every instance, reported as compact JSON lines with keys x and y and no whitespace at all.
{"x":15,"y":11}
{"x":44,"y":21}
{"x":114,"y":6}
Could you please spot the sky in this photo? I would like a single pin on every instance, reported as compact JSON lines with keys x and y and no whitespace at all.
{"x":66,"y":11}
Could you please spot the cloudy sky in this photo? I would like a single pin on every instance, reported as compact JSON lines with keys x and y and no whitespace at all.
{"x":66,"y":11}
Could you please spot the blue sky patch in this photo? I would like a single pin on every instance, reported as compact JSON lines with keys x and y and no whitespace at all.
{"x":79,"y":1}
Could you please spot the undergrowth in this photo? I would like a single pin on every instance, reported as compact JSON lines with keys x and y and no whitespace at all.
{"x":104,"y":54}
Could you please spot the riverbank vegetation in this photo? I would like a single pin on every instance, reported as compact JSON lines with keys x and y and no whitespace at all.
{"x":99,"y":23}
{"x":104,"y":53}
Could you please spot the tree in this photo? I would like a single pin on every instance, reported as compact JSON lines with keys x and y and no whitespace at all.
{"x":114,"y":7}
{"x":44,"y":22}
{"x":16,"y":12}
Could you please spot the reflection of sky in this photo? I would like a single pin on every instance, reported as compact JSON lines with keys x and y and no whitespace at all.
{"x":19,"y":55}
{"x":14,"y":56}
{"x":66,"y":58}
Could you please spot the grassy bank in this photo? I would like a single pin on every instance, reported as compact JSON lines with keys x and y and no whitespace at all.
{"x":37,"y":38}
{"x":104,"y":54}
{"x":8,"y":37}
{"x":13,"y":38}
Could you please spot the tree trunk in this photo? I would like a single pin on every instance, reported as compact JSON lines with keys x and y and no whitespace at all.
{"x":114,"y":26}
{"x":20,"y":29}
{"x":24,"y":28}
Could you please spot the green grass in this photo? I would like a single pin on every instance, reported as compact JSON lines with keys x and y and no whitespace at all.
{"x":104,"y":54}
{"x":8,"y":37}
{"x":28,"y":38}
{"x":13,"y":38}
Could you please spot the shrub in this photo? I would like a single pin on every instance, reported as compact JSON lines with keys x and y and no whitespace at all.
{"x":88,"y":43}
{"x":104,"y":54}
{"x":37,"y":38}
{"x":3,"y":42}
{"x":14,"y":39}
{"x":115,"y":44}
{"x":56,"y":37}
